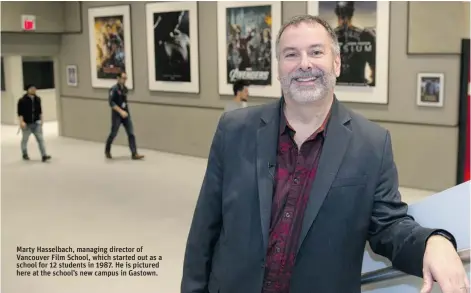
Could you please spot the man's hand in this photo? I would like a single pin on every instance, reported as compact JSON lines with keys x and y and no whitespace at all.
{"x":22,"y":125}
{"x":442,"y":264}
{"x":124,"y":114}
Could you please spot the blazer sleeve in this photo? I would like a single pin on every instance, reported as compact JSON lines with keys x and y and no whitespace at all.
{"x":207,"y":221}
{"x":393,"y":233}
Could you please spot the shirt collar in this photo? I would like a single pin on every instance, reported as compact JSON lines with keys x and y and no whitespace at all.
{"x":284,"y":124}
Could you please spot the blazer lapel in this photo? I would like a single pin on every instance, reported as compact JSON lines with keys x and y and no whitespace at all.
{"x":335,"y":146}
{"x":267,"y":141}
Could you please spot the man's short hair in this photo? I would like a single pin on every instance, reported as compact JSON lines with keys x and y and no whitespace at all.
{"x":120,"y":75}
{"x":295,"y":21}
{"x":28,"y":86}
{"x":239,"y":86}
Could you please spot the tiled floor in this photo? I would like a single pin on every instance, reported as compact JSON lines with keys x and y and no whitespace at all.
{"x":82,"y":200}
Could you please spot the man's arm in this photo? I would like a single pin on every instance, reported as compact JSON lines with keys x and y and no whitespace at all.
{"x":40,"y":110}
{"x":207,"y":221}
{"x":19,"y":111}
{"x":393,"y":233}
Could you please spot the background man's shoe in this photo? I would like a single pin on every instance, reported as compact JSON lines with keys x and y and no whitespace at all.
{"x":108,"y":156}
{"x":26,"y":157}
{"x":46,"y":158}
{"x":137,"y":157}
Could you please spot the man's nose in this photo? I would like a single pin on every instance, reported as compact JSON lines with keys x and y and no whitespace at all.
{"x":305,"y":62}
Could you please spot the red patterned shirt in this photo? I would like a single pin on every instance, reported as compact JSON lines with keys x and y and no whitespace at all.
{"x":295,"y":173}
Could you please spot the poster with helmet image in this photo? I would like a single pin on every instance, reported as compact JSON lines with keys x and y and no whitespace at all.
{"x":355,"y":25}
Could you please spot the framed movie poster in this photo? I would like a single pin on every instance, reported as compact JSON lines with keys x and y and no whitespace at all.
{"x":246,"y":46}
{"x":72,"y":77}
{"x":110,"y":45}
{"x":362,"y":28}
{"x":172,"y":46}
{"x":430,"y":89}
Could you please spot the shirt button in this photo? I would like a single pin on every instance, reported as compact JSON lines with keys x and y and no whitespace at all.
{"x":296,"y":180}
{"x":277,"y":249}
{"x":287,"y":215}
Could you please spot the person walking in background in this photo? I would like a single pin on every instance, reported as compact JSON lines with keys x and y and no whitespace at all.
{"x":241,"y":94}
{"x":120,"y":115}
{"x":30,"y":117}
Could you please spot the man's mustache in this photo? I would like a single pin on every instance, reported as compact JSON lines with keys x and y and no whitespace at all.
{"x":315,"y":72}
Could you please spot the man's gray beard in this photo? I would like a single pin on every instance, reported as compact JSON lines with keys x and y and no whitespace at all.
{"x":323,"y":85}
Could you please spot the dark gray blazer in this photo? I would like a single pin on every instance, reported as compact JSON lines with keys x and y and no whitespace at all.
{"x":354,"y":199}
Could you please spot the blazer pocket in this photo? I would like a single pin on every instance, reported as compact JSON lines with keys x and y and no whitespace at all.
{"x":349,"y":181}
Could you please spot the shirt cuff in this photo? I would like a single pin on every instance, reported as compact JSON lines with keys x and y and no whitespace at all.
{"x":446,"y":235}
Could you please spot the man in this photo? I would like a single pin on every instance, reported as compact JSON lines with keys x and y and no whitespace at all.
{"x":120,"y":115}
{"x":294,"y":189}
{"x":241,"y":94}
{"x":30,"y":117}
{"x":357,"y":48}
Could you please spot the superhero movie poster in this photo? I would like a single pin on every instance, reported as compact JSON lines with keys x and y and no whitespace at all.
{"x":110,"y":50}
{"x":172,"y":46}
{"x":355,"y":26}
{"x":248,"y":44}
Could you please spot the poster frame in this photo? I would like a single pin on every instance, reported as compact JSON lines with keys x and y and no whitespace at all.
{"x":440,"y":102}
{"x":125,"y":11}
{"x":173,"y":86}
{"x":379,"y":93}
{"x":225,"y":88}
{"x":74,"y":68}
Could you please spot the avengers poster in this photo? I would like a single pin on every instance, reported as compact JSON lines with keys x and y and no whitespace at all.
{"x":355,"y":26}
{"x":248,"y":44}
{"x":110,"y":50}
{"x":172,"y":46}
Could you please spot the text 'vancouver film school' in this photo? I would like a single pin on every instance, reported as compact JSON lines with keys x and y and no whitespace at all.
{"x":235,"y":147}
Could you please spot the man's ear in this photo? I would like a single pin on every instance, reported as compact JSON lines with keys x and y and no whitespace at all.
{"x":337,"y":65}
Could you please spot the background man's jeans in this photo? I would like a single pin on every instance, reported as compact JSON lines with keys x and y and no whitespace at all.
{"x":37,"y":130}
{"x":116,"y":121}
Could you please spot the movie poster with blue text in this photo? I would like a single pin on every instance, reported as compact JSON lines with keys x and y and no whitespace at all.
{"x":248,"y":38}
{"x":355,"y":25}
{"x":109,"y":39}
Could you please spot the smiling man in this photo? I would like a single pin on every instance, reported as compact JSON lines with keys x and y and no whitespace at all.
{"x":294,"y":189}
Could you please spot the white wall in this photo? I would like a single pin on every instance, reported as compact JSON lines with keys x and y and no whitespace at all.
{"x":8,"y":108}
{"x":49,"y":104}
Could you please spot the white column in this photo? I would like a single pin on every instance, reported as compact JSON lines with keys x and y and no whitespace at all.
{"x":13,"y":70}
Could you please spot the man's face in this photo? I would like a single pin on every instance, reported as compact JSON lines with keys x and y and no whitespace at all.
{"x":244,"y":94}
{"x":341,"y":21}
{"x":307,"y":68}
{"x":32,"y":90}
{"x":123,"y":78}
